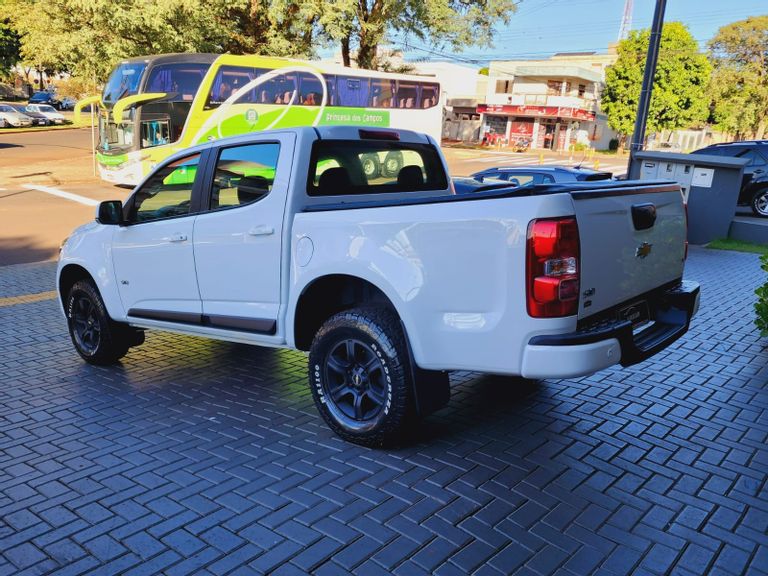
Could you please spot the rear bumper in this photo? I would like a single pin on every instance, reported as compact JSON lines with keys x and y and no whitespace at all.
{"x":590,"y":350}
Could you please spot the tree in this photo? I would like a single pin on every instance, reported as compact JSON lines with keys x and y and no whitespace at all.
{"x":363,"y":25}
{"x":679,"y":97}
{"x":739,"y":86}
{"x":10,"y":47}
{"x":88,"y":37}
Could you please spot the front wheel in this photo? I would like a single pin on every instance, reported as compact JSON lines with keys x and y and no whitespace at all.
{"x":760,"y":203}
{"x":371,"y":166}
{"x":97,"y":338}
{"x":361,"y":378}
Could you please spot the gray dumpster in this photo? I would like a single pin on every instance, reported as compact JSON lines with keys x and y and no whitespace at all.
{"x":710,"y":185}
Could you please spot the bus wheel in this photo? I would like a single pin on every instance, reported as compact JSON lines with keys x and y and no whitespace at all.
{"x":392,"y":164}
{"x":371,"y":166}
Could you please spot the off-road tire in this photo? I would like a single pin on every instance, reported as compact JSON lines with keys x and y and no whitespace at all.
{"x":96,"y":337}
{"x":374,"y":330}
{"x":759,"y":203}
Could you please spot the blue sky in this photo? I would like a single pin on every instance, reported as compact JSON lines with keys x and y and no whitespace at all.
{"x":543,"y":27}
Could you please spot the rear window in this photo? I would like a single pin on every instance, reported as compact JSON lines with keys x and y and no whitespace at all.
{"x":341,"y":167}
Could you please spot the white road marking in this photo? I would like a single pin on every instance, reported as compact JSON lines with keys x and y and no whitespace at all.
{"x":62,"y":194}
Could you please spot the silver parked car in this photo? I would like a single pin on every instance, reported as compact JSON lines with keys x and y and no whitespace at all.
{"x":12,"y":117}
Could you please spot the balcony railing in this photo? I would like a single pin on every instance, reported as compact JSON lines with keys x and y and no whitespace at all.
{"x":543,"y":100}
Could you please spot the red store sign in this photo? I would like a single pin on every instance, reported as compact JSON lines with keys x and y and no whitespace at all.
{"x":548,"y":111}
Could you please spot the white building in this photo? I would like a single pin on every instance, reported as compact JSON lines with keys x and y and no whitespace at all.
{"x":551,"y":103}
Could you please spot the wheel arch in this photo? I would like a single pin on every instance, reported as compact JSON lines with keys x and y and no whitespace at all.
{"x":68,"y":275}
{"x":327,"y":295}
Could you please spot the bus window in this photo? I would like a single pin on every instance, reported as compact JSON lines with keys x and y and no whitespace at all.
{"x":279,"y":90}
{"x":381,"y":93}
{"x":155,"y":133}
{"x":352,"y":91}
{"x":180,"y":81}
{"x":430,"y":94}
{"x":124,"y":81}
{"x":310,"y":90}
{"x":407,"y":95}
{"x":228,"y":80}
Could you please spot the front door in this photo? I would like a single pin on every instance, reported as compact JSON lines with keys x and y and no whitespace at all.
{"x":238,"y":240}
{"x":153,"y":254}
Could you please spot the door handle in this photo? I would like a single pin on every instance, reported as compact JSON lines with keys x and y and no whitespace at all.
{"x":176,"y":238}
{"x":262,"y":230}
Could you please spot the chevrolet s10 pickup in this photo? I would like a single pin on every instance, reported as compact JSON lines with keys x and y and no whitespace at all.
{"x":352,"y":245}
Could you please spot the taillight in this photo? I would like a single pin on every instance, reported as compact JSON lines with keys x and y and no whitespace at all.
{"x":685,"y":251}
{"x":552,"y":268}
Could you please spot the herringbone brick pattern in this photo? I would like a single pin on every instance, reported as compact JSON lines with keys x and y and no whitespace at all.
{"x":201,"y":457}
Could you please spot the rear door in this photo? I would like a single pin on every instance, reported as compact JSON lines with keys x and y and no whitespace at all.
{"x":632,"y":240}
{"x":238,"y":239}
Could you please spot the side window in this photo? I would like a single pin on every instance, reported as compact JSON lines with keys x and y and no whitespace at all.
{"x":244,"y":174}
{"x":167,"y":193}
{"x":753,"y":156}
{"x":228,"y":80}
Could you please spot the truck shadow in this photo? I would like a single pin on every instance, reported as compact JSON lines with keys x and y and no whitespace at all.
{"x":479,"y":404}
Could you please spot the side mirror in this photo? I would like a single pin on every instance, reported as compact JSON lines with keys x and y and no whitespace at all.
{"x":110,"y":212}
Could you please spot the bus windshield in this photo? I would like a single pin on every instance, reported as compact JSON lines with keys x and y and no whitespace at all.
{"x":124,"y":81}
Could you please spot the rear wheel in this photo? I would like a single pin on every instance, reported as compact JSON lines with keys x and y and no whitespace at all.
{"x":97,"y":338}
{"x":361,"y":378}
{"x":760,"y":203}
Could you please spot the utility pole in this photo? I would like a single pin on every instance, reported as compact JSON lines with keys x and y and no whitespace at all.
{"x":638,"y":136}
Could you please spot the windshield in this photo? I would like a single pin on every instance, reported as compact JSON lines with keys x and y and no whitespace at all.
{"x":46,"y":108}
{"x":124,"y":81}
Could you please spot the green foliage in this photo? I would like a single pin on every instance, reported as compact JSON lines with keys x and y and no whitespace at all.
{"x":10,"y":46}
{"x":739,"y":87}
{"x":88,"y":37}
{"x":363,"y":25}
{"x":679,"y":87}
{"x":613,"y":145}
{"x":483,"y":71}
{"x":761,"y":306}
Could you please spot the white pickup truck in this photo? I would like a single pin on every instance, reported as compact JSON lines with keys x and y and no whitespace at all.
{"x":352,"y":245}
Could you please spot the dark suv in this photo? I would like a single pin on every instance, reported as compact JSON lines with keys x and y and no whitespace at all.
{"x":754,"y":186}
{"x":45,"y":98}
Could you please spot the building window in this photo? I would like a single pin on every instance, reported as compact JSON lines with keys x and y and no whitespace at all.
{"x":504,"y":86}
{"x":582,"y":90}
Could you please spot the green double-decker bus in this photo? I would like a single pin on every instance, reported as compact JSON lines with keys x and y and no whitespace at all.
{"x":154,"y":106}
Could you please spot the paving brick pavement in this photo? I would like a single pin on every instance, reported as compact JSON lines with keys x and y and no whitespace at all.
{"x":202,"y":457}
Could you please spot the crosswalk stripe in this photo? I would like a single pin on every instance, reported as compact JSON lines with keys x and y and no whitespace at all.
{"x":62,"y":194}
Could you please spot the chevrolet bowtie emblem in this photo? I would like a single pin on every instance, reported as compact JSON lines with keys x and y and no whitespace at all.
{"x":643,"y":250}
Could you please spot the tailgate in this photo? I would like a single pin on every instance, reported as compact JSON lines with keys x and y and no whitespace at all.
{"x":632,"y":238}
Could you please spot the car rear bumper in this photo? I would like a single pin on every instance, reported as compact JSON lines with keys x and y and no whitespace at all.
{"x":589,"y":350}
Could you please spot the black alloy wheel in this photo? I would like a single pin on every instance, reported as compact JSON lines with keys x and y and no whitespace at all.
{"x":86,"y":328}
{"x":355,"y":382}
{"x":361,"y":376}
{"x":97,"y":338}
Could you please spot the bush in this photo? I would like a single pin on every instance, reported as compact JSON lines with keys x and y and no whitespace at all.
{"x":580,"y":147}
{"x":613,"y":145}
{"x":761,"y":306}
